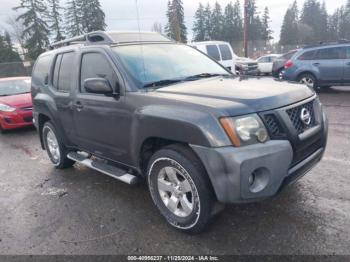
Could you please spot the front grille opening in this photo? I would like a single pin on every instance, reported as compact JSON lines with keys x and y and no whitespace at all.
{"x":273,"y":126}
{"x":295,"y":116}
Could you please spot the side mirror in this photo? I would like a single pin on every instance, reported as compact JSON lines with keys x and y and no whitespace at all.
{"x":98,"y":86}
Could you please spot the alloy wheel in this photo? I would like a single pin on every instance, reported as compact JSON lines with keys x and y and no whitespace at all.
{"x":175,"y":191}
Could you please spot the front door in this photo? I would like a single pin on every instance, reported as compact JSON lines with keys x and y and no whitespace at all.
{"x":101,"y":123}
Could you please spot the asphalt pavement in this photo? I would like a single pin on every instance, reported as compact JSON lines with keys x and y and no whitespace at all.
{"x":80,"y":211}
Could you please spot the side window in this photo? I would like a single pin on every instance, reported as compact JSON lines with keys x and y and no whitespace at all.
{"x":96,"y":65}
{"x":56,"y":71}
{"x":41,"y":70}
{"x":65,"y":74}
{"x":309,"y":55}
{"x":213,"y":52}
{"x":347,"y":52}
{"x":264,"y":59}
{"x":225,"y":52}
{"x":329,"y":53}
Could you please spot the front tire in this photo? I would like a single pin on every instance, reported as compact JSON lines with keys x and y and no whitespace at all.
{"x":180,"y":188}
{"x":56,"y":150}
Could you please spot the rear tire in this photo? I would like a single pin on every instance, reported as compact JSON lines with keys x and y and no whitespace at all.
{"x":180,"y":188}
{"x":309,"y":80}
{"x":56,"y":150}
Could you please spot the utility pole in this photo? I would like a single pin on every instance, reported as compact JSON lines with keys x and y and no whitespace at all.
{"x":246,"y":28}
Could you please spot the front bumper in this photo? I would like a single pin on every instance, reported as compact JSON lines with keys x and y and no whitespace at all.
{"x":230,"y":169}
{"x":274,"y":164}
{"x":16,"y":119}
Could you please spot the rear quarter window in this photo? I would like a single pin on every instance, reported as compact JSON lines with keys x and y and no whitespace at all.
{"x":41,"y":70}
{"x":309,"y":55}
{"x":225,"y":52}
{"x":63,"y":72}
{"x":213,"y":52}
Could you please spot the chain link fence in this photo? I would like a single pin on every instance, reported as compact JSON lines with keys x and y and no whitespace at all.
{"x":13,"y":69}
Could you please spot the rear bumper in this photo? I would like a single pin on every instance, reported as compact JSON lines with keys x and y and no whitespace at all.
{"x":16,"y":119}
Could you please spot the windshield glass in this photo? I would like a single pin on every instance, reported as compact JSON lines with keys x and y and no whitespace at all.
{"x":14,"y":87}
{"x":151,"y":63}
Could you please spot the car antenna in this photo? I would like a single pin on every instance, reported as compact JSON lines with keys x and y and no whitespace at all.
{"x":141,"y":46}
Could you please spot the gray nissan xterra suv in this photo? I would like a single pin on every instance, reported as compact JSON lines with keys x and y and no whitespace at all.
{"x":138,"y":105}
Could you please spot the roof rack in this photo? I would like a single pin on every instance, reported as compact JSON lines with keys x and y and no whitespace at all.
{"x":341,"y":41}
{"x":112,"y":37}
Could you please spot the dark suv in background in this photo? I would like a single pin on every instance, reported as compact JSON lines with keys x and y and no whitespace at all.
{"x":278,"y":64}
{"x":140,"y":106}
{"x":320,"y":66}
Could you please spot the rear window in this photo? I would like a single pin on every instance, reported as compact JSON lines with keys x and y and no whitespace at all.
{"x":41,"y":70}
{"x":329,"y":53}
{"x":289,"y":55}
{"x":213,"y":52}
{"x":225,"y":52}
{"x":309,"y":55}
{"x":63,"y":72}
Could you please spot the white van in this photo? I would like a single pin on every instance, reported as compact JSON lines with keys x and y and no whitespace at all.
{"x":223,"y":53}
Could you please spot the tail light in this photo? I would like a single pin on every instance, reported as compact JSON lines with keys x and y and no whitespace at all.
{"x":288,"y":64}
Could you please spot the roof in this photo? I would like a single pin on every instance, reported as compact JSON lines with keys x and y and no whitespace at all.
{"x":113,"y":37}
{"x":208,"y":43}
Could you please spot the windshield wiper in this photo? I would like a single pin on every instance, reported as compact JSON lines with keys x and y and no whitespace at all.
{"x":161,"y":83}
{"x":203,"y":75}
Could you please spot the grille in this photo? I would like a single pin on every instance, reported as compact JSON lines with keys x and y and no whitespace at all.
{"x":273,"y":126}
{"x":294,"y":115}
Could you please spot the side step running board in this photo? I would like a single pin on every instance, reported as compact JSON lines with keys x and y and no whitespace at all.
{"x":103,"y":168}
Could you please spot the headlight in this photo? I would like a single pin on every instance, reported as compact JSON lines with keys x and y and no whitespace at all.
{"x":245,"y":130}
{"x":6,"y":108}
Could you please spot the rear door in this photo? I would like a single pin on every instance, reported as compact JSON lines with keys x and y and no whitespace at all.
{"x":63,"y":79}
{"x":265,"y":64}
{"x":347,"y":64}
{"x":330,"y":63}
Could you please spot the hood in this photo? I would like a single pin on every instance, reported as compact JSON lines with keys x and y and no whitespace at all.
{"x":238,"y":95}
{"x":20,"y":100}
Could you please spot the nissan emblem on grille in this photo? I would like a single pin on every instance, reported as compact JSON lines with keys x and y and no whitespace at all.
{"x":305,"y":116}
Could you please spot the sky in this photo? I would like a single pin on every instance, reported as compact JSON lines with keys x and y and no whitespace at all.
{"x":122,"y":14}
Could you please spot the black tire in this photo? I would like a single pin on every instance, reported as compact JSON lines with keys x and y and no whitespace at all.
{"x":309,"y":80}
{"x":188,"y":166}
{"x":62,"y":161}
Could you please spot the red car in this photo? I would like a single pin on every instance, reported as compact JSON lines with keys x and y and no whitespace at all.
{"x":15,"y":103}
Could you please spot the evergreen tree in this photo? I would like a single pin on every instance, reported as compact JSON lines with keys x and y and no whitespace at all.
{"x":254,"y":22}
{"x":8,"y":40}
{"x":73,"y":19}
{"x":233,"y":27}
{"x":266,"y":31}
{"x":289,"y":30}
{"x":344,"y":24}
{"x":315,"y":17}
{"x":92,"y":16}
{"x":199,"y":31}
{"x":207,"y":22}
{"x":176,"y":28}
{"x":217,"y":22}
{"x":157,"y":27}
{"x":54,"y":19}
{"x":36,"y":29}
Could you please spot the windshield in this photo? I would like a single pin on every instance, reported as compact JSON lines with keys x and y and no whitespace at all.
{"x":14,"y":87}
{"x":151,"y":63}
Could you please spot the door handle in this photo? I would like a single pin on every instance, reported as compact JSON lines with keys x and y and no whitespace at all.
{"x":79,"y":106}
{"x":316,"y":64}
